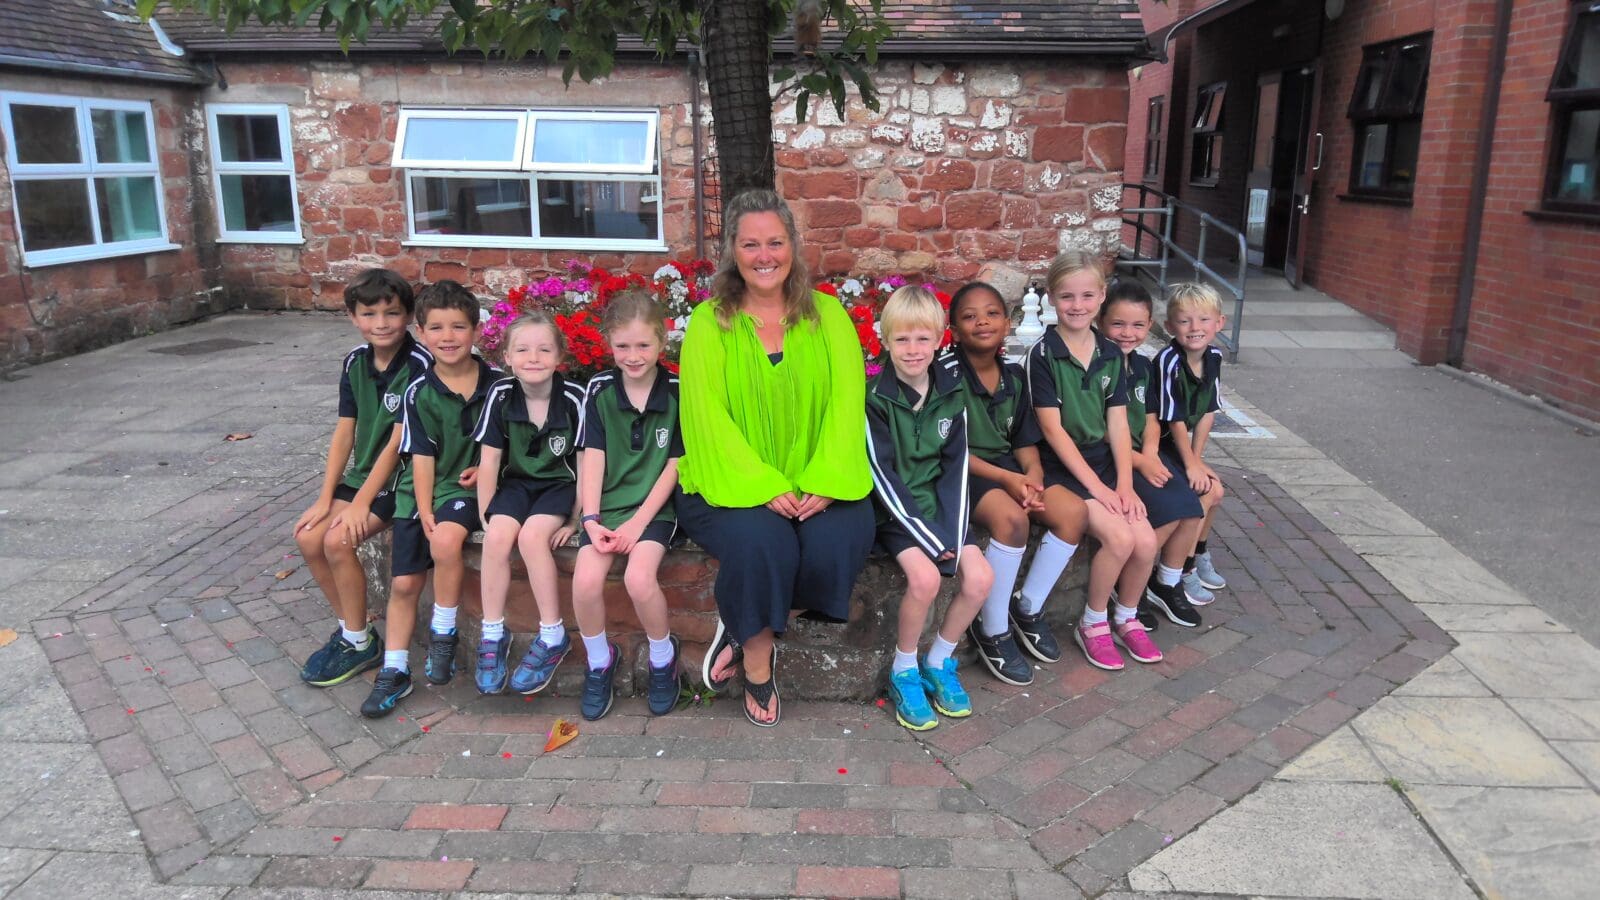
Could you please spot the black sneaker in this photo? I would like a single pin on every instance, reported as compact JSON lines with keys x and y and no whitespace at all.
{"x":389,"y":688}
{"x":346,"y":661}
{"x":662,"y":693}
{"x":1147,"y":615}
{"x":1034,"y":633}
{"x":1000,"y":655}
{"x":1170,"y":600}
{"x":441,"y":664}
{"x":311,"y":672}
{"x":598,"y":692}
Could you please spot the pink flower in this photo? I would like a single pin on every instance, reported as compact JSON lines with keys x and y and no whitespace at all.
{"x":873,"y":369}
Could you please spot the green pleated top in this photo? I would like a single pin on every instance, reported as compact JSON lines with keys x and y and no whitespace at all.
{"x":753,"y":430}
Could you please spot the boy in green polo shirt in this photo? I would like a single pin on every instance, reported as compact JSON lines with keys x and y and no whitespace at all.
{"x":435,"y":509}
{"x":355,"y":503}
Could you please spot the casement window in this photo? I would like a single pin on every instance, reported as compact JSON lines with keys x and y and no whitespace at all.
{"x":85,"y":176}
{"x":1386,"y":114}
{"x":1205,"y":151}
{"x":252,"y":173}
{"x":539,"y":178}
{"x":1571,"y":181}
{"x":1153,"y":139}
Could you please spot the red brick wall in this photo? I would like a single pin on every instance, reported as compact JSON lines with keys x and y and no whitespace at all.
{"x":54,"y":310}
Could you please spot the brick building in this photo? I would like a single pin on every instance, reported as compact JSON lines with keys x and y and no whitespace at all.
{"x":155,"y":174}
{"x":1433,"y":164}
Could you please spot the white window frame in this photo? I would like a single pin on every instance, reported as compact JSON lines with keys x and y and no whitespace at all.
{"x":219,"y":168}
{"x":525,"y":169}
{"x":87,"y":169}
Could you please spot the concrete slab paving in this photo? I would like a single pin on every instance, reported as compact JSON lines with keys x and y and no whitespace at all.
{"x":17,"y":864}
{"x":1443,"y":579}
{"x":1460,"y":740}
{"x":1516,"y":842}
{"x":1341,"y":756}
{"x":1309,"y":840}
{"x":1530,"y":665}
{"x":125,"y":876}
{"x":1584,"y":756}
{"x":1470,"y":617}
{"x":1445,"y":678}
{"x":1373,"y":517}
{"x":1561,"y":719}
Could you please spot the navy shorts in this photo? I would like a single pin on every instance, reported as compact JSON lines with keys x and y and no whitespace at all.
{"x":977,"y":487}
{"x":382,"y":505}
{"x":893,"y":539}
{"x":1172,"y":501}
{"x":662,"y":531}
{"x":409,"y":553}
{"x":1100,"y":460}
{"x":520,"y":498}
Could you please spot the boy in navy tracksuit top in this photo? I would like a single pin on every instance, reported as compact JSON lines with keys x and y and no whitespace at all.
{"x":917,"y":448}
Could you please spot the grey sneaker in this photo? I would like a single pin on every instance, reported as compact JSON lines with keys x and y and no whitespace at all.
{"x":1209,"y":576}
{"x":1196,"y":589}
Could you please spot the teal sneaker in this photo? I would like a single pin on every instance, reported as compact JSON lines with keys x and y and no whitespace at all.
{"x":945,"y":689}
{"x":346,"y":661}
{"x":910,"y":701}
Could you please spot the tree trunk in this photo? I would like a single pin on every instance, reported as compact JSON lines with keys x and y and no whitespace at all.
{"x":736,"y":50}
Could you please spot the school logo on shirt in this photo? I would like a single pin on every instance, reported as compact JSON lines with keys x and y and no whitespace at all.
{"x":1009,"y":420}
{"x":1105,"y":382}
{"x":1139,"y":392}
{"x":944,"y":428}
{"x":661,"y":437}
{"x":558,"y":444}
{"x":391,"y":402}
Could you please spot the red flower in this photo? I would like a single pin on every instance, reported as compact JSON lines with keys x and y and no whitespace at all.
{"x":828,"y":289}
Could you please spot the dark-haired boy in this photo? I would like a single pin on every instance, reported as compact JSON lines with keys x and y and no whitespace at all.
{"x":355,"y":503}
{"x":436,"y":508}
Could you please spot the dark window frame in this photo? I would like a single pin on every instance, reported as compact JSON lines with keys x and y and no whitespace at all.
{"x":1565,"y":101}
{"x":1206,"y":134}
{"x":1382,"y":98}
{"x":1155,"y":138}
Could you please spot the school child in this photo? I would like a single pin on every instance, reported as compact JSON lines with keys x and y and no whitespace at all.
{"x":1173,"y":509}
{"x":527,"y":496}
{"x":917,"y":450}
{"x":1189,"y":389}
{"x":1007,"y":488}
{"x":626,"y":476}
{"x":434,"y":510}
{"x":1080,"y":394}
{"x":356,"y":504}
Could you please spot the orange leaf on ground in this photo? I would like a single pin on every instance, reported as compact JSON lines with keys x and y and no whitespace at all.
{"x":239,"y":436}
{"x":560,"y":733}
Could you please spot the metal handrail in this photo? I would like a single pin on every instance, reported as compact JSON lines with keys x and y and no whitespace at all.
{"x":1167,"y":208}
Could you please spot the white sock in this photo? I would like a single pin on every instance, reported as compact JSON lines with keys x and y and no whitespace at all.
{"x":597,"y":646}
{"x":904,"y":661}
{"x":1124,"y":613}
{"x":356,"y":639}
{"x":940,"y":651}
{"x":494,"y":631}
{"x":1048,"y":564}
{"x":444,"y":619}
{"x":1005,"y":560}
{"x":552,"y":635}
{"x":397,"y":659}
{"x":1090,"y":617}
{"x":1167,"y":576}
{"x":660,"y":651}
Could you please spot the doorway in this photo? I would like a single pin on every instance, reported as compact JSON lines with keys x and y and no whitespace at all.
{"x":1280,"y":131}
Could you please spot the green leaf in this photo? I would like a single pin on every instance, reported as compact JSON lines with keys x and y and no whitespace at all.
{"x":802,"y":104}
{"x":338,"y":8}
{"x":466,"y":9}
{"x":306,"y":12}
{"x":782,"y":75}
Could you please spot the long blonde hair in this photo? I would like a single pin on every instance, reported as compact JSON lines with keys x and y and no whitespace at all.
{"x":1072,"y":262}
{"x":728,"y":285}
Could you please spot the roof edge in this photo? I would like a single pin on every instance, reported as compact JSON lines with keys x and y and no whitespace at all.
{"x":81,"y":68}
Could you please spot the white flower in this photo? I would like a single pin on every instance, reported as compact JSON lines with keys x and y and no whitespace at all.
{"x":680,"y":323}
{"x":678,"y":290}
{"x":851,"y":287}
{"x":667,"y":273}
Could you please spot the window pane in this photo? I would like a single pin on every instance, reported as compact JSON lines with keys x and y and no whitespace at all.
{"x":590,"y":141}
{"x":1581,"y":68}
{"x":483,"y":206}
{"x":258,"y":203}
{"x":462,"y":140}
{"x":1576,"y":178}
{"x":46,"y":134}
{"x":599,"y":209}
{"x":54,"y":213}
{"x":1403,"y":164}
{"x":248,"y":139}
{"x":120,"y":136}
{"x":1409,"y":78}
{"x":1369,"y":85}
{"x":128,"y":210}
{"x":1372,"y":151}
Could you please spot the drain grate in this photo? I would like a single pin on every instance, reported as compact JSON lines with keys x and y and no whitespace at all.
{"x":201,"y":348}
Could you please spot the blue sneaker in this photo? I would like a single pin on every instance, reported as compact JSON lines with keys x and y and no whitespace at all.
{"x":945,"y":689}
{"x":346,"y":661}
{"x":662,"y":693}
{"x":493,"y":670}
{"x":311,"y":672}
{"x":598,"y":687}
{"x":910,"y":701}
{"x":441,"y":664}
{"x":538,"y":666}
{"x":390,"y":687}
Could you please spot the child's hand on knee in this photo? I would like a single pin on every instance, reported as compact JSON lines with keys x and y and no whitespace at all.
{"x":563,"y":534}
{"x":309,"y":519}
{"x":428,"y":523}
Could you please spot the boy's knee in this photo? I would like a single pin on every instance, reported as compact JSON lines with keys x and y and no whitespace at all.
{"x":407,"y":588}
{"x":1118,"y":541}
{"x":922,"y":584}
{"x":639,"y":582}
{"x":1013,"y":529}
{"x":312,"y":542}
{"x":445,"y":546}
{"x":1215,"y":495}
{"x":978,"y":580}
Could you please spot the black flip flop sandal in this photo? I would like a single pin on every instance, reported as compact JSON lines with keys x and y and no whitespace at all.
{"x":766,"y":696}
{"x":718,"y":642}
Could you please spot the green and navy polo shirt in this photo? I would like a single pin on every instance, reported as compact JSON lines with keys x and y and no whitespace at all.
{"x":547,"y":452}
{"x":1140,"y":386}
{"x":438,"y":422}
{"x":637,"y":442}
{"x":1084,"y":396}
{"x":1182,"y":395}
{"x":999,"y":422}
{"x":918,"y":457}
{"x":373,"y":399}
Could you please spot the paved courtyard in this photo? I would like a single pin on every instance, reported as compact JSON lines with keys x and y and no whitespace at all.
{"x":151,"y":708}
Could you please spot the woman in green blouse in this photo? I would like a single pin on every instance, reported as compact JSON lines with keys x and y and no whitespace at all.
{"x":774,"y":472}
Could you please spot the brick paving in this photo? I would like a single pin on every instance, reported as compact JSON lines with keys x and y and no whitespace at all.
{"x":184,"y":670}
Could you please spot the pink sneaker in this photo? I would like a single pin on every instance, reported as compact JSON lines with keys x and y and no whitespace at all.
{"x":1097,"y":646}
{"x":1131,"y":635}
